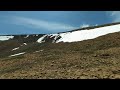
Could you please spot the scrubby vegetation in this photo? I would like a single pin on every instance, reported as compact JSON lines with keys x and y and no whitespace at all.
{"x":90,"y":59}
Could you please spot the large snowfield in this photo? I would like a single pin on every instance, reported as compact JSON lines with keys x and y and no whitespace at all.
{"x":84,"y":34}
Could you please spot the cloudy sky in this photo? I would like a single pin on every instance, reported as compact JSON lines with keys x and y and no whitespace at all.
{"x":36,"y":22}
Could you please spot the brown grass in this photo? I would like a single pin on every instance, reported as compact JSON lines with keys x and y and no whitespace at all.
{"x":90,"y":59}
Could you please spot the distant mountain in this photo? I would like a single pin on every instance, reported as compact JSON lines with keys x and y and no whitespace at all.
{"x":14,"y":43}
{"x":69,"y":36}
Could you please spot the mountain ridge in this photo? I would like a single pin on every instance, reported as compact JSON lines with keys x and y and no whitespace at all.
{"x":57,"y":35}
{"x":92,"y":27}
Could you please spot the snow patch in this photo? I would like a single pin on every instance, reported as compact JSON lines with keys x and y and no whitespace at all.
{"x":3,"y":38}
{"x":26,"y":36}
{"x":25,"y":43}
{"x":55,"y":37}
{"x":52,"y":35}
{"x":40,"y":40}
{"x":15,"y":49}
{"x":39,"y":51}
{"x":17,"y":54}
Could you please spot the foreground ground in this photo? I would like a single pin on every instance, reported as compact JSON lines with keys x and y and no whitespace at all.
{"x":90,"y":59}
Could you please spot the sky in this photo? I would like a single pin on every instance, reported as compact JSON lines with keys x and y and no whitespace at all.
{"x":46,"y":22}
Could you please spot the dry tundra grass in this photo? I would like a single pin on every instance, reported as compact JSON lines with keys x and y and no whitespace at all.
{"x":91,"y":59}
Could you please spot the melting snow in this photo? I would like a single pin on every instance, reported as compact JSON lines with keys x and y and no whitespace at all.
{"x":15,"y":49}
{"x":17,"y":54}
{"x":3,"y":38}
{"x":53,"y":35}
{"x":26,"y":36}
{"x":84,"y":34}
{"x":39,"y":51}
{"x":40,"y":39}
{"x":25,"y":43}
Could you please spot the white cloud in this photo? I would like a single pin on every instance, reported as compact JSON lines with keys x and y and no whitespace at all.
{"x":84,"y":25}
{"x":115,"y":15}
{"x":40,"y":24}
